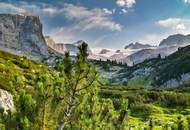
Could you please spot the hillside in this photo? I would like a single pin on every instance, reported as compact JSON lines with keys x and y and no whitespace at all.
{"x":15,"y":69}
{"x":166,"y":72}
{"x":21,"y":74}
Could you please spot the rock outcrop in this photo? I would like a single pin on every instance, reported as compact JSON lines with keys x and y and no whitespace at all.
{"x":21,"y":34}
{"x":137,"y":45}
{"x":6,"y":101}
{"x":63,"y":47}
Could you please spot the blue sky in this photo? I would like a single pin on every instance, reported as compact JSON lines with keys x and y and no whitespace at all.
{"x":107,"y":23}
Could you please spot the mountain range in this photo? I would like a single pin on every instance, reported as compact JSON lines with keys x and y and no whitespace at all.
{"x":135,"y":53}
{"x":170,"y":71}
{"x":131,"y":54}
{"x":21,"y":34}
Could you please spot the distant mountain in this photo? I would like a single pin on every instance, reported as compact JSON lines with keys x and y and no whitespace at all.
{"x":133,"y":53}
{"x":176,"y":40}
{"x":170,"y":71}
{"x":145,"y":54}
{"x":72,"y":48}
{"x":141,"y":55}
{"x":137,"y":45}
{"x":63,"y":47}
{"x":165,"y":48}
{"x":104,"y":51}
{"x":124,"y":55}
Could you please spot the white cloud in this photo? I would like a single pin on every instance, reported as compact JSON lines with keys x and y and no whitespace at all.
{"x":85,"y":20}
{"x":169,"y":22}
{"x":181,"y":27}
{"x":50,"y":10}
{"x":186,"y":1}
{"x":126,"y":3}
{"x":63,"y":34}
{"x":23,"y":7}
{"x":173,"y":23}
{"x":90,"y":18}
{"x":6,"y":7}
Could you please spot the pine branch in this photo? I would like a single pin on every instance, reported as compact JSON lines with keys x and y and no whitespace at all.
{"x":89,"y":85}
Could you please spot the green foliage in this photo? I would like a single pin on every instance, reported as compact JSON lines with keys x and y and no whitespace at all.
{"x":158,"y":107}
{"x":83,"y":108}
{"x":70,"y":97}
{"x":65,"y":98}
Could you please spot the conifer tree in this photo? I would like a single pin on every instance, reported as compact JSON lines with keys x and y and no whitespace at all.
{"x":83,"y":108}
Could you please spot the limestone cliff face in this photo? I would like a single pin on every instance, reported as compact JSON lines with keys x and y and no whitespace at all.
{"x":59,"y":47}
{"x":6,"y":101}
{"x":22,"y":34}
{"x":62,"y":48}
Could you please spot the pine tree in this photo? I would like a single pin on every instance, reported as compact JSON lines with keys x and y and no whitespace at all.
{"x":83,"y":108}
{"x":66,"y":98}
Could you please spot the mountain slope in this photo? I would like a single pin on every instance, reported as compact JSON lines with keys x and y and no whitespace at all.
{"x":135,"y":53}
{"x":168,"y":72}
{"x":16,"y":68}
{"x":175,"y":40}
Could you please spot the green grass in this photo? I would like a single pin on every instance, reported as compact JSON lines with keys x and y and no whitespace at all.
{"x":14,"y":68}
{"x":162,"y":106}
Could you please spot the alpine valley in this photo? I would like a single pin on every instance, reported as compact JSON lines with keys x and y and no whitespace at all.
{"x":140,"y":86}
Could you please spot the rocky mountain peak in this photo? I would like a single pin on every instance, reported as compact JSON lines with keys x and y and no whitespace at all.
{"x":137,"y":45}
{"x":175,"y":40}
{"x":79,"y":42}
{"x":22,"y":34}
{"x":104,"y":51}
{"x":49,"y":41}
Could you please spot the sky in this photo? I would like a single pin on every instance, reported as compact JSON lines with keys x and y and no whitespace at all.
{"x":107,"y":23}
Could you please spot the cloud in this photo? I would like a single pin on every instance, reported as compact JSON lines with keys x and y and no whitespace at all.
{"x":181,"y":26}
{"x":90,"y":18}
{"x":125,"y":3}
{"x":6,"y":7}
{"x":169,"y":22}
{"x":23,"y":7}
{"x":63,"y":34}
{"x":173,"y":23}
{"x":107,"y":11}
{"x":86,"y":20}
{"x":51,"y":10}
{"x":186,"y":1}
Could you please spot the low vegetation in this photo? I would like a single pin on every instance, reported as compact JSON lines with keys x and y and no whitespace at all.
{"x":74,"y":96}
{"x":163,"y":107}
